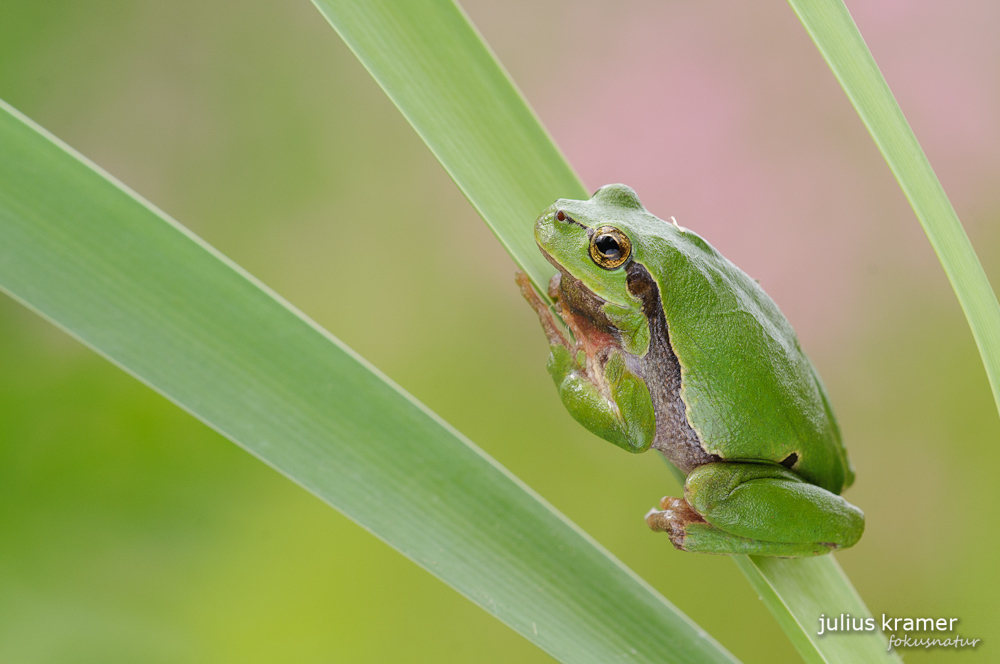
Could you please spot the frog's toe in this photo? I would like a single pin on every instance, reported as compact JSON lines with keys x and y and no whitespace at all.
{"x":673,"y":518}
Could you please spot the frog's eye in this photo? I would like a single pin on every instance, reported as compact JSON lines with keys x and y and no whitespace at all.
{"x":609,"y":247}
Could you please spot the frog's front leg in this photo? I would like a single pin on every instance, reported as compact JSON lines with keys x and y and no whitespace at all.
{"x":619,"y":411}
{"x":606,"y":397}
{"x":758,"y":509}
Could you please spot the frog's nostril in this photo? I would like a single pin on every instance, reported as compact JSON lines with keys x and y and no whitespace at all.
{"x":560,"y":215}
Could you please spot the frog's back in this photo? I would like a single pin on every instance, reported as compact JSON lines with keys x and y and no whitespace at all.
{"x":749,"y":389}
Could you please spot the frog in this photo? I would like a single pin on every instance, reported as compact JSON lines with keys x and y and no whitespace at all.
{"x":659,"y":342}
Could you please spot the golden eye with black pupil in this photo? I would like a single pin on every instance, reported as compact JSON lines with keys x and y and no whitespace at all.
{"x":609,"y":247}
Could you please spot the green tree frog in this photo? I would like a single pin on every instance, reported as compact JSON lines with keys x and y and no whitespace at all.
{"x":674,"y":348}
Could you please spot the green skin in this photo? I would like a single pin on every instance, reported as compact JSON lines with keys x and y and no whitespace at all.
{"x":679,"y":350}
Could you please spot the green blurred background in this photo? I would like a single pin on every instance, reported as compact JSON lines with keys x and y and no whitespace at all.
{"x":130,"y":532}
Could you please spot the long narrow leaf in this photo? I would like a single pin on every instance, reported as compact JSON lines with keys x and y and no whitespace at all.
{"x":802,"y":592}
{"x":836,"y":36}
{"x":435,"y":68}
{"x":144,"y":292}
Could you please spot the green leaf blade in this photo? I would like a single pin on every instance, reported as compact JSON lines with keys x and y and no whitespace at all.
{"x":147,"y":294}
{"x":799,"y":591}
{"x":833,"y":30}
{"x":440,"y":74}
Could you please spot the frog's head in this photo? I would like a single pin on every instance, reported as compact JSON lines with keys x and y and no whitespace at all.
{"x":600,"y":247}
{"x":595,"y":240}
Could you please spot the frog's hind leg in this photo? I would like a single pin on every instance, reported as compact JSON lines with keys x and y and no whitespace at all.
{"x":758,"y":509}
{"x":688,"y":531}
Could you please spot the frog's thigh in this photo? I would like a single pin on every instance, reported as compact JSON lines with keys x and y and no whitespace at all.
{"x":767,"y":503}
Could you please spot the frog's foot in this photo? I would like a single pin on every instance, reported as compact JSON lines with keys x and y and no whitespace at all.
{"x":688,"y":531}
{"x":758,"y":509}
{"x":673,"y":518}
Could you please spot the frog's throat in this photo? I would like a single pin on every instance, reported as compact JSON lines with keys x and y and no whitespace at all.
{"x":675,"y":437}
{"x":594,"y":333}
